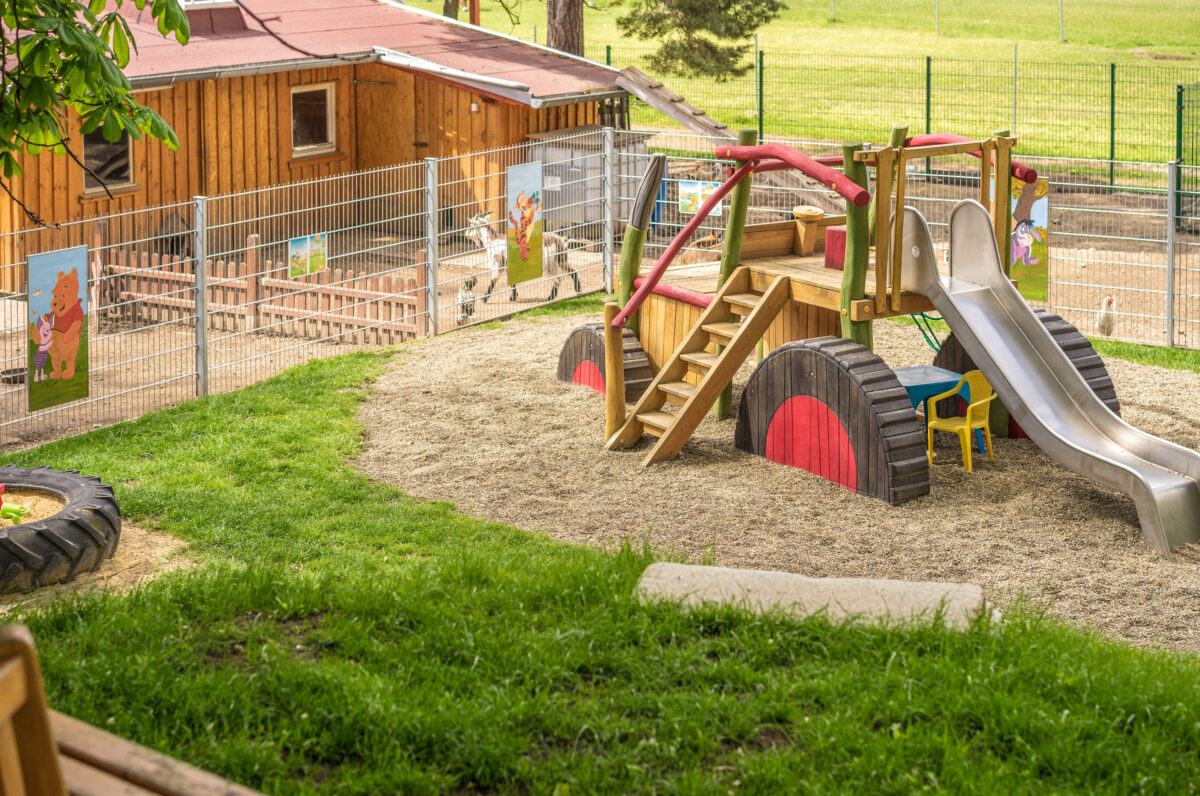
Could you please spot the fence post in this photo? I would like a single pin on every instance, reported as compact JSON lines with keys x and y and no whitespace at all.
{"x":200,"y":268}
{"x":253,"y":283}
{"x":607,"y":187}
{"x":431,"y":246}
{"x":608,"y":55}
{"x":1112,"y":120}
{"x":761,"y":66}
{"x":928,"y":103}
{"x":1178,"y":143}
{"x":1172,"y":220}
{"x":1014,"y":108}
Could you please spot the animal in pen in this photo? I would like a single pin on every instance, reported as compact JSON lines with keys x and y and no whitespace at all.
{"x":554,"y":251}
{"x":466,"y":301}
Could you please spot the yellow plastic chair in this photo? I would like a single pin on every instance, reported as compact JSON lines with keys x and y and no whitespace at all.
{"x":982,"y":396}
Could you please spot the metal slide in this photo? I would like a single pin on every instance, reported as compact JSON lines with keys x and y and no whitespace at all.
{"x":1040,"y":386}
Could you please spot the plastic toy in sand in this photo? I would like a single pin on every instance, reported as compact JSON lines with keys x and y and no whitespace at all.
{"x":11,"y":511}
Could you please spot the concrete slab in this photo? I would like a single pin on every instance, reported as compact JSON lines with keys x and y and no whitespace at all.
{"x":867,"y":599}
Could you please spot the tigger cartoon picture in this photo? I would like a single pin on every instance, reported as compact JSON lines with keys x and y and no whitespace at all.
{"x":524,"y":222}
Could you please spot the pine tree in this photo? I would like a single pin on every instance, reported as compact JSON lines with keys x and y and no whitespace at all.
{"x":564,"y":25}
{"x":699,"y":38}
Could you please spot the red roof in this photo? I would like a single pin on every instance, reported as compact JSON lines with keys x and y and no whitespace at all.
{"x":224,"y":39}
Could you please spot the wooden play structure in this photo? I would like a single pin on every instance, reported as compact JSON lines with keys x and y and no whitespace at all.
{"x":804,"y":293}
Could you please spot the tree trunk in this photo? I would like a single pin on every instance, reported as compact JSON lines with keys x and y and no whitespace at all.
{"x":564,"y":25}
{"x":450,"y":8}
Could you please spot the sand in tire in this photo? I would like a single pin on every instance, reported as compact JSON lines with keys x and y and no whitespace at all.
{"x":477,"y":418}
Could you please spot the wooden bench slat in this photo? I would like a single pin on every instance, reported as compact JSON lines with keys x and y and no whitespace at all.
{"x":144,"y":767}
{"x":83,"y":780}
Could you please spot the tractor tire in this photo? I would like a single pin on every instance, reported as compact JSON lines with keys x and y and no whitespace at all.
{"x":54,"y":549}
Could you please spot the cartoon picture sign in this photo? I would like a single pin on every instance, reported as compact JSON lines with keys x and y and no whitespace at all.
{"x":58,"y":328}
{"x":693,"y":193}
{"x":1030,"y":243}
{"x":308,"y":255}
{"x":524,"y":222}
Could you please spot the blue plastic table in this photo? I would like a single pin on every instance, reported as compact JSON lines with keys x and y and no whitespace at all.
{"x":925,"y":381}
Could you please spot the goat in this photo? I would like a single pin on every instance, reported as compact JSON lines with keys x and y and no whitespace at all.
{"x":554,"y":255}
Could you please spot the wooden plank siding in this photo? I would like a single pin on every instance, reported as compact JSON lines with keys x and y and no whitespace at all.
{"x":235,"y":135}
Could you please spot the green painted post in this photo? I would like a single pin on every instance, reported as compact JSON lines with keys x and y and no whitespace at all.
{"x":608,"y":55}
{"x":1003,"y":188}
{"x":761,"y":110}
{"x":854,"y":274}
{"x":1178,"y":140}
{"x":731,"y":253}
{"x":896,"y":139}
{"x":635,"y":233}
{"x":1112,"y":120}
{"x":928,"y":102}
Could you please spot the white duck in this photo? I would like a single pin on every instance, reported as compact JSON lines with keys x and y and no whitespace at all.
{"x":1106,"y":318}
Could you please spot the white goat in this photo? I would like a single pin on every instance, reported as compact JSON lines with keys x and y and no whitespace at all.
{"x":554,"y":254}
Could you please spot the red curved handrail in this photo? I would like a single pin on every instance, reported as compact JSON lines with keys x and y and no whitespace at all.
{"x":1019,"y":170}
{"x":651,"y":279}
{"x":852,"y":191}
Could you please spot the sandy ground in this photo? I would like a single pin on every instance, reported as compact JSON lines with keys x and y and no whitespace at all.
{"x":141,"y":556}
{"x":40,"y":505}
{"x":478,"y":418}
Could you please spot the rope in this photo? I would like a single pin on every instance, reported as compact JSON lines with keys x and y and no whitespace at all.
{"x":922,"y":321}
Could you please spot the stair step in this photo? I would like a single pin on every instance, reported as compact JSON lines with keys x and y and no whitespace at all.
{"x":743,"y":303}
{"x":723,"y":329}
{"x":677,"y":391}
{"x":703,"y":360}
{"x":656,"y":423}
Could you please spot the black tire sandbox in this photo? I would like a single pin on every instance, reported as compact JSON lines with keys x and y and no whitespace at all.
{"x":58,"y":548}
{"x":582,"y":361}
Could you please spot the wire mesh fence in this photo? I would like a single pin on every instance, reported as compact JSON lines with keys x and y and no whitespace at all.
{"x":1076,"y":110}
{"x":375,"y":258}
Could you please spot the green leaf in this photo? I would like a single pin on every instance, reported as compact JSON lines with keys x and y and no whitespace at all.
{"x":112,"y":128}
{"x":120,"y":46}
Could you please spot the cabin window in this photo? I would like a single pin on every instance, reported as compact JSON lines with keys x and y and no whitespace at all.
{"x":109,"y":164}
{"x":312,"y":119}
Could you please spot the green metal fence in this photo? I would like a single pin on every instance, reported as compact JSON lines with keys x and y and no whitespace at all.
{"x":1077,"y":110}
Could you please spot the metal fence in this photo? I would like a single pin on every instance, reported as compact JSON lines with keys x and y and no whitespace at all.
{"x":410,"y":251}
{"x":1100,"y":111}
{"x":401,"y":261}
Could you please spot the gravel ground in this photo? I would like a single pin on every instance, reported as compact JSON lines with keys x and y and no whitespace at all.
{"x":477,"y":418}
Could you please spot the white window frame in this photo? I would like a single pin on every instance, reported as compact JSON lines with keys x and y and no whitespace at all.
{"x":105,"y":187}
{"x":330,"y":90}
{"x":204,"y":4}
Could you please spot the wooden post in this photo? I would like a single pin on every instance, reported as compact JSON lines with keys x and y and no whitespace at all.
{"x":854,"y":274}
{"x":731,"y":254}
{"x":897,"y":233}
{"x":253,"y":284}
{"x":614,"y":373}
{"x":1002,"y":213}
{"x":882,"y":202}
{"x":895,"y":141}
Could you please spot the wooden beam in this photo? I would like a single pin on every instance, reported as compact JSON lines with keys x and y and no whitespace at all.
{"x":883,"y":196}
{"x":858,"y":254}
{"x":897,"y":235}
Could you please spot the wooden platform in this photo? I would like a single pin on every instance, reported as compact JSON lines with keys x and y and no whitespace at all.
{"x":769,"y":251}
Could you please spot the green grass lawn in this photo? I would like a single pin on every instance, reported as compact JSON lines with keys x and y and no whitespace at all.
{"x":855,"y":77}
{"x":342,"y":637}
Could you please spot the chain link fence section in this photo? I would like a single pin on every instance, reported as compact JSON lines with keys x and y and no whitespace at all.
{"x":1076,"y":110}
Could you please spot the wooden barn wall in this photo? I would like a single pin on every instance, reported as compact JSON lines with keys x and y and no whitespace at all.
{"x":799,"y":322}
{"x":235,"y":135}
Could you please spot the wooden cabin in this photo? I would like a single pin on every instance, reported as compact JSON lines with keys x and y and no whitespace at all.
{"x":282,"y":92}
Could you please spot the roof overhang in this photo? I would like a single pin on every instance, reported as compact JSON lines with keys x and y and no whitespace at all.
{"x":509,"y":90}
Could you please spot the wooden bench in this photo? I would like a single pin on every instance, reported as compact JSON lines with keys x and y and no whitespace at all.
{"x":44,"y":753}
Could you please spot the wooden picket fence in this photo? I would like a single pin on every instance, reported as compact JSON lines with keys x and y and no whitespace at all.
{"x":258,"y":296}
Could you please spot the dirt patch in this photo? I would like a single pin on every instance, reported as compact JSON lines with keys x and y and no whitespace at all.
{"x":40,"y":504}
{"x":141,"y":556}
{"x":478,"y":418}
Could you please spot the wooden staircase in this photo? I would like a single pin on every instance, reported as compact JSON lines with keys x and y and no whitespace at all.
{"x":755,"y":312}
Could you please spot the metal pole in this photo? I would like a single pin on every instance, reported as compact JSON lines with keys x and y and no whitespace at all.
{"x":1014,"y":112}
{"x":937,"y":18}
{"x":761,"y":109}
{"x":1172,"y":218}
{"x":607,"y":190}
{"x":608,"y":55}
{"x":1178,"y":139}
{"x":199,"y":268}
{"x":1061,"y":34}
{"x":431,"y":245}
{"x":833,"y":10}
{"x":928,"y":103}
{"x":1112,"y":120}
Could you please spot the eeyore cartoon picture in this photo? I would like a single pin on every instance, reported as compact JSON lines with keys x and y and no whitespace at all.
{"x":1023,"y":237}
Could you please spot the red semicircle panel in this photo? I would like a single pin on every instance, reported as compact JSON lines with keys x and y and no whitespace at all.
{"x":806,"y":433}
{"x":587,"y":374}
